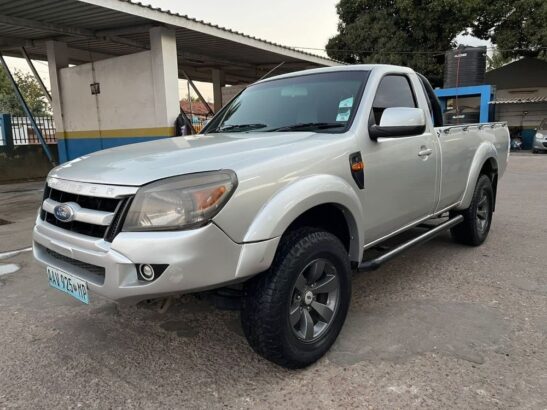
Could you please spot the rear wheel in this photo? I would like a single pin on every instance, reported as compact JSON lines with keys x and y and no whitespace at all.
{"x":478,"y":217}
{"x":293,"y":313}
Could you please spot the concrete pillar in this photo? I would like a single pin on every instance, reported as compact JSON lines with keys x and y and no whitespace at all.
{"x":218,"y":83}
{"x":163,"y":54}
{"x":57,"y":58}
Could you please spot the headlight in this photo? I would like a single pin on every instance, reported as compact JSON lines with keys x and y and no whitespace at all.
{"x":539,"y":135}
{"x":181,"y":202}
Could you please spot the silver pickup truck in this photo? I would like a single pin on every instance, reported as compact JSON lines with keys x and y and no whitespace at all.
{"x":277,"y":199}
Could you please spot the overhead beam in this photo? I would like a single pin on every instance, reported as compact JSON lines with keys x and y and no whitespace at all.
{"x":87,"y":55}
{"x":211,"y":60}
{"x":203,"y":74}
{"x":42,"y":26}
{"x":77,"y":55}
{"x":66,"y":30}
{"x":203,"y":60}
{"x":11,"y":43}
{"x":112,"y":39}
{"x":122,"y":31}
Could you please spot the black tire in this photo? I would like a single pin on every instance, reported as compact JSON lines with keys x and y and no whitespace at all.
{"x":478,"y":217}
{"x":270,"y":297}
{"x":535,"y":151}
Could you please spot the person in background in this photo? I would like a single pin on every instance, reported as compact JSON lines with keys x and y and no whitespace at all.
{"x":183,"y":126}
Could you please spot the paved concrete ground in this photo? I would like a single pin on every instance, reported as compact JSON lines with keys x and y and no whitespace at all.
{"x":445,"y":326}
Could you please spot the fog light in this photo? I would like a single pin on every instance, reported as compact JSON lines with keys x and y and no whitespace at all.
{"x":147,"y":272}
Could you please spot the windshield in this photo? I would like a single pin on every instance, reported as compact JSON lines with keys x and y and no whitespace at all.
{"x":314,"y":102}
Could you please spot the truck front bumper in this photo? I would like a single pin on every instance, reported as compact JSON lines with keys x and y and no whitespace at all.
{"x":197,"y":259}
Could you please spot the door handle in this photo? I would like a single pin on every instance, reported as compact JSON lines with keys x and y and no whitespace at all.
{"x":425,"y":152}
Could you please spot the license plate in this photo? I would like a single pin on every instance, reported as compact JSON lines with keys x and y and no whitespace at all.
{"x":68,"y":283}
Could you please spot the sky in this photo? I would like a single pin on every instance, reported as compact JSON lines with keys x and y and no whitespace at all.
{"x":300,"y":23}
{"x":303,"y":23}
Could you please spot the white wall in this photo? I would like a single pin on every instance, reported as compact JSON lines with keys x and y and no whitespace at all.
{"x":126,"y":99}
{"x":137,"y":91}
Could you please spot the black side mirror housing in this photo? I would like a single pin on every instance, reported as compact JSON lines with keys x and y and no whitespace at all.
{"x":377,"y":131}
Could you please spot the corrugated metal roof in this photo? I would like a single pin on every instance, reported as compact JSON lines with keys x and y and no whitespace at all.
{"x":228,"y":30}
{"x":521,"y":100}
{"x":96,"y":29}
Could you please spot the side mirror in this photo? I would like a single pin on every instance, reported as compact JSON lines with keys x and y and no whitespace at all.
{"x":399,"y":122}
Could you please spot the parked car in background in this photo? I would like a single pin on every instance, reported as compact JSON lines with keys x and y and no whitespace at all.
{"x":540,"y":140}
{"x":278,"y":199}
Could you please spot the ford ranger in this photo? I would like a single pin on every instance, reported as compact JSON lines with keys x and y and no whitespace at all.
{"x":278,"y":197}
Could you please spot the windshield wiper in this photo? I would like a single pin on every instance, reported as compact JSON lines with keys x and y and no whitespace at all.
{"x":240,"y":127}
{"x":309,"y":125}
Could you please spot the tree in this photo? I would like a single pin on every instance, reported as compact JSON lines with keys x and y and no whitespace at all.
{"x":30,"y":89}
{"x":497,"y":60}
{"x":414,"y":33}
{"x":517,"y":27}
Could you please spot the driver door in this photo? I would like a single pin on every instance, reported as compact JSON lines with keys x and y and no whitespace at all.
{"x":400,"y":171}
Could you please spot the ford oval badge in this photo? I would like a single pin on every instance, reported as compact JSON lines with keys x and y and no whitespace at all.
{"x":63,"y":212}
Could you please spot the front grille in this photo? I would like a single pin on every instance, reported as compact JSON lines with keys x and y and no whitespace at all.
{"x":116,"y":205}
{"x":89,"y":202}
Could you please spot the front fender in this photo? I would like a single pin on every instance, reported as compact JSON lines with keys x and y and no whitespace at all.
{"x":484,"y":152}
{"x":301,"y":195}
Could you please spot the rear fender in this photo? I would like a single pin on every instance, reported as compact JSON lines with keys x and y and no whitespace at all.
{"x":300,"y":196}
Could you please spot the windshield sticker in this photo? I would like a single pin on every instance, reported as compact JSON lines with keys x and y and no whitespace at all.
{"x":347,"y":103}
{"x":344,"y":109}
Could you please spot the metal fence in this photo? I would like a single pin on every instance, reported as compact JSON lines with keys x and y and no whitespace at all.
{"x":23,"y":133}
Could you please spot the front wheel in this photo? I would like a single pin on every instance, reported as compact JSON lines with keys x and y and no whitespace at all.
{"x":293,"y":313}
{"x":478,"y":217}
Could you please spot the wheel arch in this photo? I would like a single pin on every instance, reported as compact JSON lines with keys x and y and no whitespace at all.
{"x":324,"y":201}
{"x":484,"y":163}
{"x":333,"y":218}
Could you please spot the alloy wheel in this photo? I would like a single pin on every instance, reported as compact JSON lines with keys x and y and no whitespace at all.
{"x":483,"y":211}
{"x":314,"y":300}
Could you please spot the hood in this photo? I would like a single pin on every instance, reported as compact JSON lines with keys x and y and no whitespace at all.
{"x":138,"y":164}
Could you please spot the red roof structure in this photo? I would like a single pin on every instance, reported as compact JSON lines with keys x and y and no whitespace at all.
{"x":198,"y":108}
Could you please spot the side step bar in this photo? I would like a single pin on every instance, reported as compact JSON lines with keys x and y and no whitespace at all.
{"x":374,"y":264}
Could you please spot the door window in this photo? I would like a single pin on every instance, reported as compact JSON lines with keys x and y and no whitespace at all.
{"x":393,"y":91}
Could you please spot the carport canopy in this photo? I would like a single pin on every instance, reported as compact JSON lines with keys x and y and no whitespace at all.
{"x":100,"y":29}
